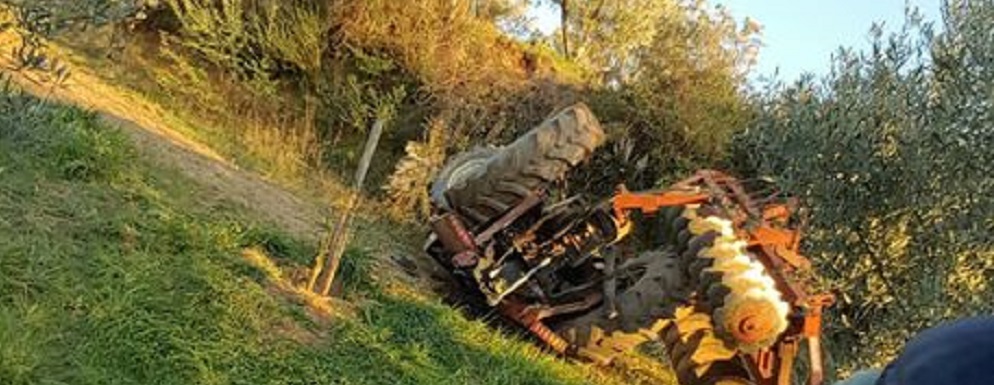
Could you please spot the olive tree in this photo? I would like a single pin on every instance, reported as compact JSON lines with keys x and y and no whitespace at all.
{"x":36,"y":21}
{"x":893,"y":152}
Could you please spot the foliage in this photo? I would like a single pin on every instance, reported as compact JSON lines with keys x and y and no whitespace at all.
{"x":252,"y":74}
{"x":472,"y":79}
{"x":311,"y":70}
{"x":893,"y":152}
{"x":257,"y":41}
{"x":36,"y":21}
{"x":606,"y":36}
{"x":613,"y":38}
{"x":509,"y":15}
{"x":41,"y":19}
{"x":78,"y":153}
{"x":415,"y":35}
{"x":679,"y":86}
{"x":678,"y":104}
{"x":686,"y":96}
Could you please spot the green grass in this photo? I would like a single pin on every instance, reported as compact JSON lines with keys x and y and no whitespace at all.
{"x":113,"y":272}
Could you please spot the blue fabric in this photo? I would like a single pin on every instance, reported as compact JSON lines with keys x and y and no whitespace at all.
{"x":957,"y":353}
{"x":865,"y":377}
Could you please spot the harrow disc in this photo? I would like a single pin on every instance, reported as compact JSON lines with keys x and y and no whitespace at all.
{"x":748,"y":311}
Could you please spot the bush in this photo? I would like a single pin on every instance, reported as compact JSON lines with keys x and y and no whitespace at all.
{"x":37,"y":21}
{"x":893,"y":152}
{"x":261,"y":43}
{"x":677,"y":107}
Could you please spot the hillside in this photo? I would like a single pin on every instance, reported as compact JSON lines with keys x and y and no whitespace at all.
{"x":166,"y":225}
{"x":119,"y":268}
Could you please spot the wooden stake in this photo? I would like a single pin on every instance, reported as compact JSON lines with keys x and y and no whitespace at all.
{"x":330,"y":257}
{"x":564,"y":25}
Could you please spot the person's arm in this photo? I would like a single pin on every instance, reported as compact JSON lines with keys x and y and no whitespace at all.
{"x":954,"y":353}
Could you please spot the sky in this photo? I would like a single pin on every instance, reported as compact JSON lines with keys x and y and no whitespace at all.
{"x":800,"y":36}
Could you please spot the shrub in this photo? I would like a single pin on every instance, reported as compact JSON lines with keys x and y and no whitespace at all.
{"x":679,"y":103}
{"x":36,"y":21}
{"x":260,"y":42}
{"x":40,"y":19}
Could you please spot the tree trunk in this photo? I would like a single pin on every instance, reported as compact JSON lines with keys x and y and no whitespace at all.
{"x":563,"y":20}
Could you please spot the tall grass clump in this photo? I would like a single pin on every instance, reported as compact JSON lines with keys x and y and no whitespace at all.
{"x":894,"y":154}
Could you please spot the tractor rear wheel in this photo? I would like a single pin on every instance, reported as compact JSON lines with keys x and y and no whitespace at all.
{"x":639,"y":313}
{"x":485,"y":183}
{"x":657,"y":306}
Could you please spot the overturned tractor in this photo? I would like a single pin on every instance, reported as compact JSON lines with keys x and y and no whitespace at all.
{"x":709,"y":266}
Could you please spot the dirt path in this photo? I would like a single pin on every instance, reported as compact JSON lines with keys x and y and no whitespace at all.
{"x":226,"y":182}
{"x":148,"y":125}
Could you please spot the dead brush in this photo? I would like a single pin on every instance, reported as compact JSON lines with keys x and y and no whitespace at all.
{"x":407,"y":188}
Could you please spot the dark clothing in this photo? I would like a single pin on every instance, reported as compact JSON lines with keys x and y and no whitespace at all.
{"x":956,"y":353}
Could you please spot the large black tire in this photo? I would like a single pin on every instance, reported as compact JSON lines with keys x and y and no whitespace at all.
{"x":652,"y":309}
{"x":639,"y":312}
{"x":644,"y":307}
{"x":483,"y":184}
{"x":466,"y":165}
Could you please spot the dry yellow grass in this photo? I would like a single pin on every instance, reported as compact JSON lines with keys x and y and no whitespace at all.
{"x":321,"y":308}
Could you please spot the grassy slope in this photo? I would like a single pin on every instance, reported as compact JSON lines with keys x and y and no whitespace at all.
{"x":112,"y":271}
